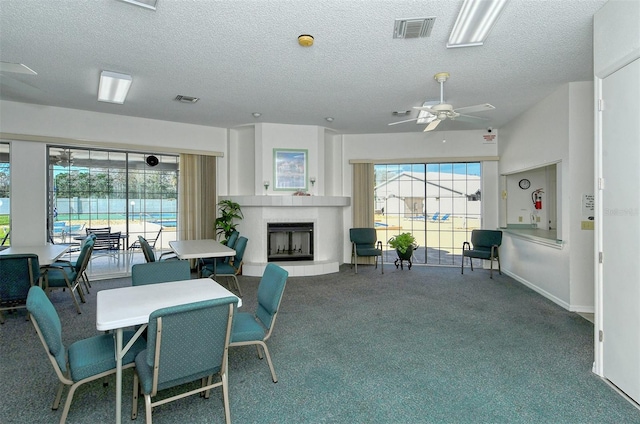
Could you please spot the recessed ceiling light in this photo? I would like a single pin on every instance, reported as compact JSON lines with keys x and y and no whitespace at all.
{"x":256,"y":114}
{"x":329,"y":119}
{"x":113,"y":87}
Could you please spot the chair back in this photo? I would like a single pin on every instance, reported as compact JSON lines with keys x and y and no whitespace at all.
{"x":147,"y":250}
{"x":189,"y":342}
{"x":240,"y":247}
{"x":152,"y":242}
{"x":484,"y":239}
{"x":363,"y":237}
{"x":233,"y":239}
{"x":270,"y":291}
{"x":47,"y":323}
{"x":101,"y":230}
{"x":85,"y":254}
{"x":18,"y":273}
{"x":160,"y":272}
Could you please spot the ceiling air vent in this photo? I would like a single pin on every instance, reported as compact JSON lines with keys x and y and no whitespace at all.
{"x":186,"y":99}
{"x":413,"y":27}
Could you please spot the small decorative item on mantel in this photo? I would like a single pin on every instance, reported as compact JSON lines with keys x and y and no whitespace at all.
{"x":300,"y":193}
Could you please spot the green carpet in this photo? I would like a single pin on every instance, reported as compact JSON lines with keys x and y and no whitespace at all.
{"x":425,"y":345}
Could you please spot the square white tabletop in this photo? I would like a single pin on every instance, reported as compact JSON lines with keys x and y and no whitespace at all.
{"x":196,"y":249}
{"x":47,"y":253}
{"x":128,"y":306}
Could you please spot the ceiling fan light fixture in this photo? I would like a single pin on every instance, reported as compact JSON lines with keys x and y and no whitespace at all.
{"x":474,"y":22}
{"x":113,"y":87}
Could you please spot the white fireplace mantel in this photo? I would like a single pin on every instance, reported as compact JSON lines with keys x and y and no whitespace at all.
{"x":325,"y":212}
{"x":286,"y":201}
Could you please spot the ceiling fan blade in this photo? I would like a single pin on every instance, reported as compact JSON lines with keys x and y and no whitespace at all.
{"x":432,"y":125}
{"x":476,"y":108}
{"x":402,"y":122}
{"x":426,"y":108}
{"x":469,"y":118}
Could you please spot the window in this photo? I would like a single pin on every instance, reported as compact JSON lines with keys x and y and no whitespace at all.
{"x":134,"y":193}
{"x":439,"y":203}
{"x":5,"y":195}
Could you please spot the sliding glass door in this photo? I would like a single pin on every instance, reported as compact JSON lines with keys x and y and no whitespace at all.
{"x":439,"y":203}
{"x":130,"y":193}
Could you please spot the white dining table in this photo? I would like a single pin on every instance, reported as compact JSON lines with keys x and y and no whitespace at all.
{"x":199,"y":249}
{"x":47,"y":253}
{"x":124,"y":307}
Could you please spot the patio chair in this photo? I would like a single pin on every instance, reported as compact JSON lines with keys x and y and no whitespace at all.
{"x":149,"y":254}
{"x":85,"y":360}
{"x":435,"y":216}
{"x":485,"y":244}
{"x":185,"y":343}
{"x":364,"y":243}
{"x":256,"y":328}
{"x":152,"y":242}
{"x":18,"y":273}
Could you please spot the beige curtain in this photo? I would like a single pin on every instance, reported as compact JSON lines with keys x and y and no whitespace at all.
{"x":363,"y":184}
{"x":363,"y":202}
{"x":197,"y":197}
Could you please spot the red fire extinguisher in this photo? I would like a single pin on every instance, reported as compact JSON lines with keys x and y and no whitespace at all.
{"x":536,"y":197}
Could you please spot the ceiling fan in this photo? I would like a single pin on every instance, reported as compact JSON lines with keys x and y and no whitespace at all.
{"x":64,"y":158}
{"x":433,"y":115}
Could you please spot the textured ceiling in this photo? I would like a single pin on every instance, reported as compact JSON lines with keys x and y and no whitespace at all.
{"x":242,"y":56}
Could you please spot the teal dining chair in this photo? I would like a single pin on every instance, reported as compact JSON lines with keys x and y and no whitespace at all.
{"x":18,"y":273}
{"x":185,"y":343}
{"x":84,"y":360}
{"x":485,"y":244}
{"x":160,"y":272}
{"x":364,"y":242}
{"x":66,"y":277}
{"x":256,"y":328}
{"x":230,"y":268}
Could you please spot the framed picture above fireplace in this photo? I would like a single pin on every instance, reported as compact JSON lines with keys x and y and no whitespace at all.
{"x":289,"y":169}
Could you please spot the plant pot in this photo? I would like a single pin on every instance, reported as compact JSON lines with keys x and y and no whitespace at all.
{"x":406,"y":256}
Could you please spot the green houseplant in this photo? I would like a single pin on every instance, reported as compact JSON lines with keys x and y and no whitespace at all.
{"x":404,"y":244}
{"x":226,"y":223}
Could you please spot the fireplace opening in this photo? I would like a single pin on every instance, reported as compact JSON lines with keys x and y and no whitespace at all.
{"x":289,"y":241}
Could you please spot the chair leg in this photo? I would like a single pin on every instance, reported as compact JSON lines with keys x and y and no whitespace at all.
{"x":134,"y":403}
{"x":56,"y":401}
{"x":237,"y":285}
{"x":147,"y":408}
{"x":225,"y":398}
{"x":462,"y":265}
{"x":266,"y":354}
{"x":67,"y":403}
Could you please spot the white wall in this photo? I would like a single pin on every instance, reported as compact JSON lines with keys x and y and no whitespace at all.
{"x":558,"y":129}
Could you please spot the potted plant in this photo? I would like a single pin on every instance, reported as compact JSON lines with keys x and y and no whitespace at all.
{"x":226,"y":223}
{"x":404,"y":244}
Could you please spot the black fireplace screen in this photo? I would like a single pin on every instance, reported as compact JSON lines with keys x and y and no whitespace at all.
{"x":290,"y":241}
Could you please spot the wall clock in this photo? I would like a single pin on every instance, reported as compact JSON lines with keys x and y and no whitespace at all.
{"x":524,"y":184}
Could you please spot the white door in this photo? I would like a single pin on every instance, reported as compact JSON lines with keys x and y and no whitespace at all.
{"x":621,"y":229}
